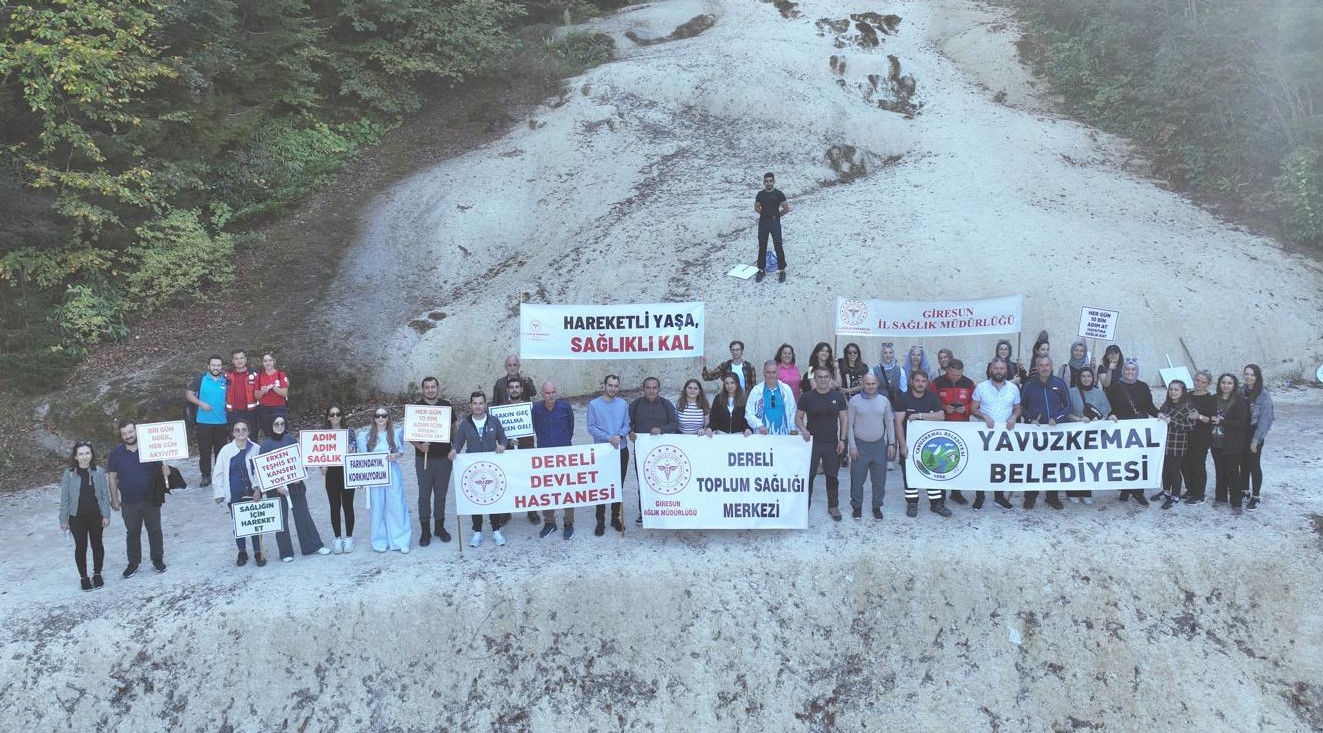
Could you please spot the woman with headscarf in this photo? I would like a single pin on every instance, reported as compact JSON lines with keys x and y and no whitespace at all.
{"x":292,"y":495}
{"x":1179,"y":414}
{"x":1005,"y":351}
{"x":915,"y":361}
{"x":1261,"y":417}
{"x":1078,"y":362}
{"x":1230,"y":439}
{"x":890,"y":374}
{"x":1195,"y":470}
{"x":1131,"y":399}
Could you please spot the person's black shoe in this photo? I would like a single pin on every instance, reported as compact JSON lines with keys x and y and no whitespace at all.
{"x":1003,"y":502}
{"x":978,"y":502}
{"x":911,"y":509}
{"x":1030,"y":500}
{"x":600,"y":529}
{"x":424,"y":538}
{"x":97,"y":582}
{"x":1169,"y":503}
{"x":569,"y":531}
{"x":158,"y":565}
{"x":877,"y":512}
{"x":261,"y":560}
{"x":619,"y":526}
{"x":638,"y":521}
{"x":206,"y":481}
{"x":86,"y":584}
{"x":759,"y":277}
{"x":547,"y":529}
{"x":1192,"y":500}
{"x":857,"y":512}
{"x":1159,"y":495}
{"x":1252,"y":504}
{"x":959,"y":498}
{"x":239,"y":561}
{"x":1139,"y":499}
{"x":534,"y":518}
{"x":130,"y":570}
{"x":1055,"y":504}
{"x":780,"y":276}
{"x":939,"y":508}
{"x":442,"y":534}
{"x":1124,"y":497}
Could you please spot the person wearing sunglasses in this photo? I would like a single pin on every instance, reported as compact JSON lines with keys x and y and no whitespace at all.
{"x":231,"y":481}
{"x":391,"y":529}
{"x":338,"y":496}
{"x":770,"y":407}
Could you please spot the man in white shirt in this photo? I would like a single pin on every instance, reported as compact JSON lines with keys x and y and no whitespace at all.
{"x":997,"y":403}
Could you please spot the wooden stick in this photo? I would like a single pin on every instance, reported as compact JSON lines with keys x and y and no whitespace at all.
{"x":459,"y":534}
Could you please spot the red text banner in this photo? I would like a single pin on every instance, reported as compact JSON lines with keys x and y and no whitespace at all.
{"x":638,"y":331}
{"x":536,"y":479}
{"x":323,"y":447}
{"x":921,"y":318}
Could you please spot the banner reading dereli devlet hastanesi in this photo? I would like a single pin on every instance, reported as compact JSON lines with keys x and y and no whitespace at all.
{"x":536,"y":479}
{"x":627,"y":331}
{"x":1094,"y":456}
{"x":723,"y":482}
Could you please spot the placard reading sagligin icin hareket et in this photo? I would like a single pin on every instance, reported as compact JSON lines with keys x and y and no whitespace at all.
{"x":257,"y":517}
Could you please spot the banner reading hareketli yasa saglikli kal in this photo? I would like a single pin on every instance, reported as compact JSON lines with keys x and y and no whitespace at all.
{"x":627,"y":331}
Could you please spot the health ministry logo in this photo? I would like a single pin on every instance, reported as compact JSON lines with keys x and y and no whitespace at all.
{"x":667,"y":469}
{"x":940,"y":454}
{"x":483,"y":483}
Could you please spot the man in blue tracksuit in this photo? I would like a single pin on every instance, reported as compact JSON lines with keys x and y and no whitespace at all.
{"x":1044,"y":400}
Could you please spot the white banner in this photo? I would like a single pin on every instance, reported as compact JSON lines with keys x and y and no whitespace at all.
{"x":427,"y":423}
{"x":723,"y":482}
{"x":257,"y":517}
{"x":536,"y":478}
{"x":278,"y":468}
{"x":516,"y":419}
{"x":629,"y":331}
{"x":1099,"y":455}
{"x":921,"y":318}
{"x":366,"y":469}
{"x":1098,"y":323}
{"x":323,"y":447}
{"x":162,"y":441}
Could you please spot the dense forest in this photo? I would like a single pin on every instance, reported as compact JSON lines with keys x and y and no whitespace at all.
{"x":1228,"y":93}
{"x":141,"y":140}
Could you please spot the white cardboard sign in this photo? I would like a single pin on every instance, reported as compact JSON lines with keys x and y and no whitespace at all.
{"x":1098,"y":323}
{"x":427,"y":423}
{"x":162,"y":441}
{"x":516,"y":419}
{"x":278,"y":468}
{"x":257,"y":517}
{"x":367,"y":469}
{"x":323,"y":447}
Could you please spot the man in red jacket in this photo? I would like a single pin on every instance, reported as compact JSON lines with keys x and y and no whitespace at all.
{"x":241,"y":391}
{"x":955,"y":391}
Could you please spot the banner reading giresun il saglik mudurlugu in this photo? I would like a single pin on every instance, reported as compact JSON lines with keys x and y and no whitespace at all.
{"x":629,"y":331}
{"x":1095,"y":456}
{"x":923,"y":318}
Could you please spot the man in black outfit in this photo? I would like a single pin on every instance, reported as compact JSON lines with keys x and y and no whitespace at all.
{"x":821,"y":419}
{"x":771,"y":205}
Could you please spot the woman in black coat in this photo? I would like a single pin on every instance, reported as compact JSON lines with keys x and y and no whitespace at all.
{"x":1230,"y":438}
{"x":726,"y":415}
{"x":1131,"y":399}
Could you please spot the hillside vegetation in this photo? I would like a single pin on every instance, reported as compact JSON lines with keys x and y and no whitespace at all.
{"x":1229,"y":92}
{"x":142,"y":141}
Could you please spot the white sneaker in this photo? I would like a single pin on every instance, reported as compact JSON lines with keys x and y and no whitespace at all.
{"x":349,"y":545}
{"x":338,"y":546}
{"x":1087,"y":500}
{"x":324,"y":550}
{"x":404,"y":551}
{"x":498,"y":537}
{"x":287,"y":559}
{"x":477,"y":539}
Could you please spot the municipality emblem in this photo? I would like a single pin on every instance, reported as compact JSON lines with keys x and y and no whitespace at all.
{"x":940,"y":455}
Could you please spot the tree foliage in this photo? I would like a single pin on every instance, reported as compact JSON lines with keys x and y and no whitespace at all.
{"x":135,"y":134}
{"x":1229,"y":91}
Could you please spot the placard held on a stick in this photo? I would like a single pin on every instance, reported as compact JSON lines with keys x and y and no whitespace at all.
{"x":1098,"y":323}
{"x":427,"y":423}
{"x":257,"y":517}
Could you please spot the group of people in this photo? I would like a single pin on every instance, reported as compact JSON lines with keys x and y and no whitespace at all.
{"x":854,"y":415}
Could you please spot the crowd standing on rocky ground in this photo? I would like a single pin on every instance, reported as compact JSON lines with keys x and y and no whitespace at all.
{"x":854,"y":414}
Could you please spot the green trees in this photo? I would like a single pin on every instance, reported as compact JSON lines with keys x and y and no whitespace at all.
{"x":135,"y":133}
{"x":1227,"y":91}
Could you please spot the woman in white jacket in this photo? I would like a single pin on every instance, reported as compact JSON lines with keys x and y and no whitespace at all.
{"x":232,"y":479}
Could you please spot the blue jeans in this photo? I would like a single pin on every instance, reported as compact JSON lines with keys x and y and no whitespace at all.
{"x":236,"y":496}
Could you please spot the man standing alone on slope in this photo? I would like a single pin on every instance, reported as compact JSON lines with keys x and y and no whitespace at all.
{"x":770,"y":205}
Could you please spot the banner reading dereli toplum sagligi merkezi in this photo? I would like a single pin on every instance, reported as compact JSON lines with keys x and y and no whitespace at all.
{"x":723,"y":482}
{"x":536,"y":479}
{"x":633,"y":331}
{"x":1099,"y":455}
